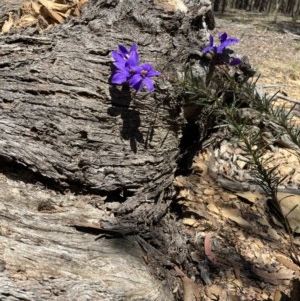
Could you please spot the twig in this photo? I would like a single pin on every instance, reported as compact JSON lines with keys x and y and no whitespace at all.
{"x":279,"y":95}
{"x":272,"y":86}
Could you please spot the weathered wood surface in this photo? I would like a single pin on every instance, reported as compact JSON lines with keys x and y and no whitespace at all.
{"x":7,"y":6}
{"x":43,"y":258}
{"x":62,"y":120}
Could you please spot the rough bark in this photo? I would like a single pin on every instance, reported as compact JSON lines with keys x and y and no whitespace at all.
{"x":8,"y":6}
{"x":61,"y":118}
{"x":62,"y":121}
{"x":44,"y":257}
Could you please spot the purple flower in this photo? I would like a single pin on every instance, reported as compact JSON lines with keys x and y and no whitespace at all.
{"x":224,"y":42}
{"x":127,"y":69}
{"x":142,"y":77}
{"x":124,"y":56}
{"x":121,"y":75}
{"x":125,"y":62}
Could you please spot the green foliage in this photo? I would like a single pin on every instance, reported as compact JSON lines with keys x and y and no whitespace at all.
{"x":226,"y":99}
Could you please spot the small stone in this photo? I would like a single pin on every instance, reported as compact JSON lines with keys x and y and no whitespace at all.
{"x":227,"y":197}
{"x":190,"y":222}
{"x":209,"y":200}
{"x":213,"y":208}
{"x":215,"y":291}
{"x":112,"y":205}
{"x":241,"y":164}
{"x":200,"y":167}
{"x":238,"y":282}
{"x":273,"y":234}
{"x":209,"y":191}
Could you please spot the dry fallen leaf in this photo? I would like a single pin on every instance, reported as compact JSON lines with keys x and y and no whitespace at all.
{"x":236,"y":268}
{"x":248,"y":196}
{"x":235,"y":216}
{"x":191,"y":290}
{"x":44,"y":13}
{"x":55,"y":6}
{"x":26,"y":8}
{"x":36,"y":7}
{"x":288,"y":263}
{"x":190,"y":222}
{"x":179,"y":181}
{"x":272,"y":277}
{"x":81,"y":3}
{"x":199,"y":165}
{"x":53,"y":15}
{"x":186,"y":194}
{"x":26,"y":21}
{"x":7,"y":24}
{"x":76,"y":11}
{"x":171,"y":6}
{"x":67,"y":14}
{"x":213,"y":208}
{"x":290,"y":205}
{"x":216,"y":292}
{"x":280,"y":296}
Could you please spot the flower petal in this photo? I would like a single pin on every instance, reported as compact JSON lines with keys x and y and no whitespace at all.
{"x":208,"y":48}
{"x":119,"y":78}
{"x":226,"y":43}
{"x":149,"y":84}
{"x":120,"y":65}
{"x":117,"y":56}
{"x":133,"y":59}
{"x":149,"y":69}
{"x":230,"y":41}
{"x":222,"y":37}
{"x":146,"y":67}
{"x":133,"y":48}
{"x":152,"y":73}
{"x":123,"y":50}
{"x":235,"y":61}
{"x":136,"y":78}
{"x":211,"y":40}
{"x":138,"y":86}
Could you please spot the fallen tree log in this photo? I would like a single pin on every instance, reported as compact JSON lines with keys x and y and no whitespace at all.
{"x":60,"y":117}
{"x":42,"y":257}
{"x":64,"y":125}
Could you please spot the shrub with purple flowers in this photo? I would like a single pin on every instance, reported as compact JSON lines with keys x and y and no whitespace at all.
{"x":219,"y":50}
{"x":128,"y":70}
{"x":224,"y":74}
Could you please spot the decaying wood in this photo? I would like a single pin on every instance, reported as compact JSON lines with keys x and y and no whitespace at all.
{"x":60,"y":117}
{"x":43,"y":257}
{"x":62,"y":121}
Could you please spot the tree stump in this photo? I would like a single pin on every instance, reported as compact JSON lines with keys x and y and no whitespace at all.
{"x":69,"y":139}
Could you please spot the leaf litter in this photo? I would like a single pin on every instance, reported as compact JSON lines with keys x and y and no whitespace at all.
{"x":248,"y":254}
{"x":43,"y":14}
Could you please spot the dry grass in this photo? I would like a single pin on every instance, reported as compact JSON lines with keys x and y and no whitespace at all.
{"x":273,"y":48}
